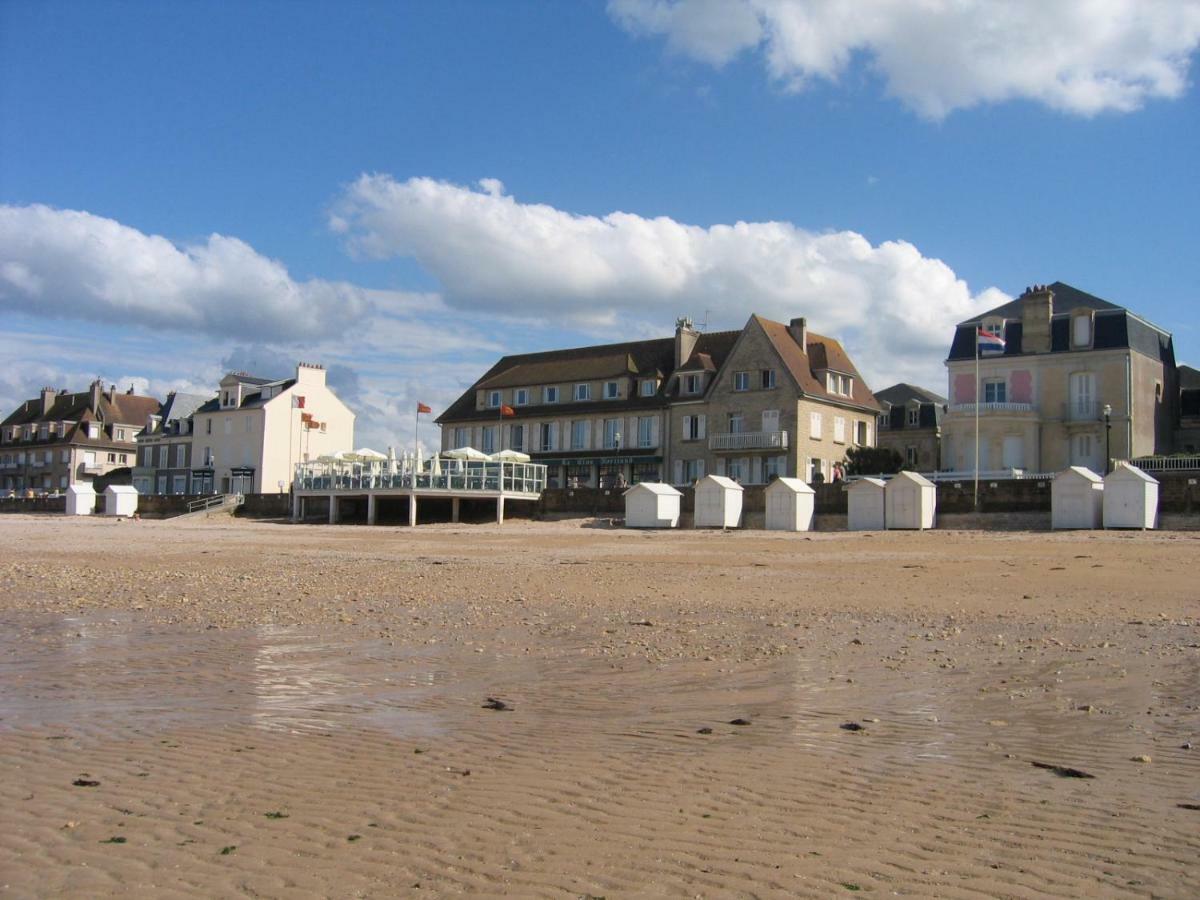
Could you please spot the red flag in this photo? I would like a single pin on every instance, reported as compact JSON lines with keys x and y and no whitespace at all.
{"x":297,"y":401}
{"x":507,"y":411}
{"x":422,"y":408}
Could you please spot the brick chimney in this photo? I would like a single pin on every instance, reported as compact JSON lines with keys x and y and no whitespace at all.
{"x":799,"y":331}
{"x":48,"y":395}
{"x":685,"y":340}
{"x":97,"y":388}
{"x":1037,"y":308}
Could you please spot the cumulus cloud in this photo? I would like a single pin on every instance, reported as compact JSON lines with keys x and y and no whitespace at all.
{"x":72,"y":264}
{"x":1077,"y":56}
{"x":624,"y":273}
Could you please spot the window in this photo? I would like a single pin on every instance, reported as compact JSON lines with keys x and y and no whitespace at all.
{"x":550,"y":395}
{"x":489,"y":439}
{"x":112,"y":458}
{"x":910,"y":457}
{"x":914,"y":416}
{"x":579,"y":434}
{"x":694,"y":469}
{"x":649,"y":387}
{"x":493,"y":399}
{"x":862,"y":434}
{"x":766,"y":379}
{"x":693,"y":428}
{"x":180,"y":461}
{"x":179,"y":484}
{"x":995,"y":391}
{"x":93,"y":430}
{"x":839,"y":430}
{"x":770,"y":420}
{"x":814,"y":426}
{"x":612,"y":434}
{"x":611,"y":390}
{"x":838,"y":384}
{"x":737,"y":423}
{"x":517,"y":437}
{"x":66,"y":456}
{"x":692,"y":383}
{"x":645,"y":435}
{"x":1081,"y":331}
{"x":583,"y":392}
{"x":521,"y":397}
{"x":547,"y":436}
{"x":462,"y":437}
{"x":148,"y":456}
{"x":162,"y":456}
{"x":737,"y":469}
{"x":741,"y":381}
{"x":774,"y":467}
{"x":120,"y":434}
{"x":162,"y":484}
{"x":124,"y":458}
{"x":208,"y":426}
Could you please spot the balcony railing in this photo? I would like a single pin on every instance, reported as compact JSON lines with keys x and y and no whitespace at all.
{"x":986,"y":408}
{"x":1083,"y":411}
{"x":749,"y":440}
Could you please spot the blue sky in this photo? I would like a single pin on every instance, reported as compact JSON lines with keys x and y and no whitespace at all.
{"x":894,"y":174}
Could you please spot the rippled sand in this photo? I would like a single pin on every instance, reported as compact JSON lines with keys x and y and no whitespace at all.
{"x":277,"y":710}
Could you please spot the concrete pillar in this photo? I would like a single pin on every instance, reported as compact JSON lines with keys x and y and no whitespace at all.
{"x":500,"y":510}
{"x":296,"y":501}
{"x":370,"y":509}
{"x":412,"y":510}
{"x":333,"y":509}
{"x":454,"y":509}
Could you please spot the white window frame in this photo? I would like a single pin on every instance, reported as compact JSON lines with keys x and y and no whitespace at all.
{"x":550,"y":394}
{"x":1086,"y":321}
{"x":494,"y":399}
{"x":913,"y":417}
{"x":612,"y":390}
{"x":767,"y":379}
{"x":649,"y":387}
{"x":999,"y":390}
{"x":645,"y":431}
{"x":580,"y":429}
{"x":741,"y":381}
{"x":692,"y":383}
{"x":839,"y":429}
{"x":521,"y":397}
{"x":815,"y":425}
{"x":612,"y":432}
{"x":582,"y":392}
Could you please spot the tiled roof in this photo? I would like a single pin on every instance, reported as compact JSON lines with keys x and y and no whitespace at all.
{"x":124,"y":409}
{"x":823,"y":353}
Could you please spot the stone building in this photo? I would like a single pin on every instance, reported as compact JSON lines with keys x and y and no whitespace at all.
{"x":911,"y":424}
{"x":769,"y":399}
{"x":58,"y":439}
{"x":1081,"y":380}
{"x":164,"y":455}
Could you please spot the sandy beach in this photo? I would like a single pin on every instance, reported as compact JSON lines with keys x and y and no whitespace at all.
{"x":234,"y":708}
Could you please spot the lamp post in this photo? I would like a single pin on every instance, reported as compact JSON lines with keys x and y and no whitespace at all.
{"x":617,"y":451}
{"x":1107,"y":438}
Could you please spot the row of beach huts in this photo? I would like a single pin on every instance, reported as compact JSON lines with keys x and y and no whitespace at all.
{"x":1079,"y":499}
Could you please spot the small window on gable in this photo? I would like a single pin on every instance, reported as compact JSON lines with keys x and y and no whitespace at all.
{"x":649,"y":387}
{"x":1081,"y":330}
{"x":741,"y":381}
{"x":611,"y":390}
{"x":766,"y":378}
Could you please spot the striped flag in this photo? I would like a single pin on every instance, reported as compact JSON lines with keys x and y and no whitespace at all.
{"x":989,"y":343}
{"x":422,"y":408}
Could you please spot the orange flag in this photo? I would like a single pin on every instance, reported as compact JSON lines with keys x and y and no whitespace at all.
{"x":422,"y":408}
{"x":507,"y":411}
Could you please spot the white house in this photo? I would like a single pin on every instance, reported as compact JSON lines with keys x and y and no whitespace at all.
{"x":718,"y":502}
{"x":249,"y":437}
{"x":910,"y":500}
{"x":865,"y":509}
{"x":790,"y":505}
{"x":1130,"y":498}
{"x":1076,"y":499}
{"x":652,"y":505}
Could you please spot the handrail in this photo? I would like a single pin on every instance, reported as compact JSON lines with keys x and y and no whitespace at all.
{"x":216,"y":500}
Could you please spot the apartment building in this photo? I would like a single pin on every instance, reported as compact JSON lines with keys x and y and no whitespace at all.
{"x":1080,"y":381}
{"x":910,"y":423}
{"x":164,"y":455}
{"x":58,"y":439}
{"x":249,"y":437}
{"x":672,"y":409}
{"x":1187,"y":430}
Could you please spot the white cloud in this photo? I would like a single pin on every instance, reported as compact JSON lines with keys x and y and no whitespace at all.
{"x":71,"y":264}
{"x":1077,"y":56}
{"x":631,"y":275}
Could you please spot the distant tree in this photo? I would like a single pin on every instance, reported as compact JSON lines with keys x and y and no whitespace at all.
{"x":872,"y":461}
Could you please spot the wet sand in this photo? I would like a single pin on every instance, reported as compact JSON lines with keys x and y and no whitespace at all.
{"x":276,"y":710}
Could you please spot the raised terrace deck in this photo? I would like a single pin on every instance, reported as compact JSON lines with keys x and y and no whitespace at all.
{"x":455,"y":479}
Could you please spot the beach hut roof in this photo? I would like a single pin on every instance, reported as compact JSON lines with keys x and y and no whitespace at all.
{"x":795,"y":485}
{"x":1124,"y":471}
{"x":915,"y":478}
{"x":1079,"y":472}
{"x":654,"y":487}
{"x":727,"y":483}
{"x":872,"y":482}
{"x":120,"y":489}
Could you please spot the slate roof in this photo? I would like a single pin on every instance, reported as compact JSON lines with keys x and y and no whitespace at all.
{"x":123,"y":409}
{"x":1115,"y":328}
{"x":904,"y":393}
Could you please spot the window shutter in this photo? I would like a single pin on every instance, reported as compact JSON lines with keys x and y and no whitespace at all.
{"x":678,"y":471}
{"x":629,"y":436}
{"x":654,"y":432}
{"x":700,"y":428}
{"x":687,"y":427}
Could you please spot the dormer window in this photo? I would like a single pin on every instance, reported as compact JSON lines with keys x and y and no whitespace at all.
{"x":493,"y":399}
{"x":93,"y":430}
{"x":583,"y":392}
{"x":550,"y":394}
{"x":521,"y":397}
{"x":914,"y":416}
{"x":692,"y":383}
{"x":842,"y":385}
{"x":1081,"y":330}
{"x":611,"y":390}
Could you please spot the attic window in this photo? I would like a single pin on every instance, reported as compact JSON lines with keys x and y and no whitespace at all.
{"x":914,"y":415}
{"x":649,"y":387}
{"x":841,"y":385}
{"x":1081,"y":330}
{"x":767,"y":379}
{"x":691,"y":384}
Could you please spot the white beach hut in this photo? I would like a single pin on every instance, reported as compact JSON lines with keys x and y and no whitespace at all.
{"x":1130,"y":498}
{"x":81,"y":499}
{"x":910,"y":500}
{"x":865,"y":506}
{"x":789,"y":505}
{"x":652,"y":505}
{"x":120,"y":500}
{"x":718,"y":502}
{"x":1076,"y":499}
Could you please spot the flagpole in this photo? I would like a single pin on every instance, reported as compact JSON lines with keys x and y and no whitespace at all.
{"x":416,"y":435}
{"x":977,"y":400}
